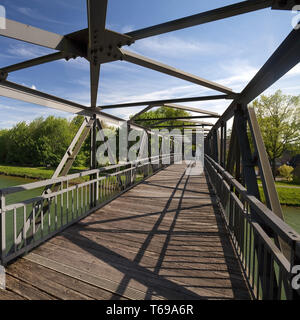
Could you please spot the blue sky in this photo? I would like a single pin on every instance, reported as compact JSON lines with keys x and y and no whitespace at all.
{"x":228,"y":51}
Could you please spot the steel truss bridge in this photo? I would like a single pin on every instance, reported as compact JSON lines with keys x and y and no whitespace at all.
{"x":146,"y":229}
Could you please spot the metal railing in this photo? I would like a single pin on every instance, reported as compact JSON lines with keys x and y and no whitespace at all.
{"x":267,"y":269}
{"x":28,"y":222}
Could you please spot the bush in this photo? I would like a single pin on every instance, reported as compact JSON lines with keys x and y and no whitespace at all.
{"x":286,"y":172}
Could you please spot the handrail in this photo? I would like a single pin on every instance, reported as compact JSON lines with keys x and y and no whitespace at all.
{"x":44,"y":183}
{"x":280,"y":227}
{"x":267,"y":268}
{"x":25,"y":224}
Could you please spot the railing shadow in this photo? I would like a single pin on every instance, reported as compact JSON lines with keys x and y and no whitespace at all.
{"x":231,"y":259}
{"x":132,"y":270}
{"x":176,"y":281}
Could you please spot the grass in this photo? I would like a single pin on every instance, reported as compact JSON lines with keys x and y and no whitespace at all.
{"x":40,"y":173}
{"x":287,"y":196}
{"x":282,"y":183}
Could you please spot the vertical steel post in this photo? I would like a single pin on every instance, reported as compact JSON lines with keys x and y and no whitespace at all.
{"x":224,"y":144}
{"x":93,"y":162}
{"x":2,"y":228}
{"x":248,"y":163}
{"x":221,"y":145}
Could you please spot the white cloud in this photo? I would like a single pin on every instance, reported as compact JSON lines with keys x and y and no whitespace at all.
{"x":79,"y":63}
{"x":172,"y":46}
{"x":26,"y":51}
{"x":34,"y":14}
{"x":127,"y":28}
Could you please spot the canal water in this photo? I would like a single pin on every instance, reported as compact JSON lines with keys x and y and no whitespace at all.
{"x":291,"y":214}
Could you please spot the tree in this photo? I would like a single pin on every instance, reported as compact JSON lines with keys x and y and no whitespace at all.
{"x":163,"y":112}
{"x":278,"y":116}
{"x":41,"y":142}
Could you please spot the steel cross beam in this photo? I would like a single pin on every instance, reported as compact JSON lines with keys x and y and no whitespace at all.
{"x":175,"y":106}
{"x":285,"y":57}
{"x":158,"y":103}
{"x":33,"y":35}
{"x":22,"y":93}
{"x":183,"y":125}
{"x":201,"y":18}
{"x":34,"y":62}
{"x":158,"y":66}
{"x":196,"y":110}
{"x":175,"y":118}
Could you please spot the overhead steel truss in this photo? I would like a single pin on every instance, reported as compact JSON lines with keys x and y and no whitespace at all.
{"x":234,"y":160}
{"x":99,"y":45}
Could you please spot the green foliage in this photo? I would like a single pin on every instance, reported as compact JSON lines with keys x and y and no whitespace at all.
{"x":286,"y":172}
{"x":163,"y":112}
{"x":42,"y":142}
{"x":279,"y":118}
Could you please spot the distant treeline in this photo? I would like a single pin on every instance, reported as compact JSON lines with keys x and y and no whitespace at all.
{"x":42,"y":142}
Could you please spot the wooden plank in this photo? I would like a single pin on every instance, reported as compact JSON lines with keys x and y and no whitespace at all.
{"x":8,"y":295}
{"x":90,"y":290}
{"x":163,"y":239}
{"x":83,"y":276}
{"x":25,"y":290}
{"x":30,"y":275}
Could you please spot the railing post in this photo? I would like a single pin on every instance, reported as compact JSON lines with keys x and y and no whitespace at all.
{"x":2,"y":228}
{"x":97,"y":188}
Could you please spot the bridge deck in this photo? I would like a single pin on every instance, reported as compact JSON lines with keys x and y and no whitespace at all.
{"x":163,"y":239}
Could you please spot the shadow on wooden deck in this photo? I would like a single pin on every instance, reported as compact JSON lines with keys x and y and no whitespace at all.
{"x":164,"y":239}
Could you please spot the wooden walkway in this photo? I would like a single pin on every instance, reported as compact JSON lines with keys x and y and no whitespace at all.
{"x":163,"y":239}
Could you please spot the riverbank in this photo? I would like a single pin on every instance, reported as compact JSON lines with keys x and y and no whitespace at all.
{"x":287,"y":196}
{"x":39,"y":173}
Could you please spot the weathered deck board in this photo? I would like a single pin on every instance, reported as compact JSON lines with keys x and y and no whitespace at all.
{"x":163,"y":239}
